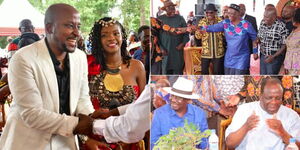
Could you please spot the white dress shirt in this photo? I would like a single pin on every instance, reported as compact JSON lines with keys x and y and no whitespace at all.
{"x":129,"y":127}
{"x":261,"y":137}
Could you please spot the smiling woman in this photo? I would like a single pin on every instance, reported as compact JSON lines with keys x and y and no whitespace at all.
{"x":120,"y":79}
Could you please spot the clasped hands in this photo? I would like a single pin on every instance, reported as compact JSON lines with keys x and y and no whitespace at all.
{"x":85,"y":124}
{"x":191,"y":28}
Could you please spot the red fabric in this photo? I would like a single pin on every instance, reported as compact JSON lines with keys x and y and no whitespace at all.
{"x":137,"y":90}
{"x":12,"y":47}
{"x":93,"y":67}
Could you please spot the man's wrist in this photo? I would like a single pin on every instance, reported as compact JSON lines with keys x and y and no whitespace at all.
{"x":285,"y":137}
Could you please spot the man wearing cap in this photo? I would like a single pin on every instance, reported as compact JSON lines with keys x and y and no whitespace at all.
{"x":27,"y":30}
{"x":172,"y":44}
{"x":237,"y":31}
{"x":173,"y":115}
{"x":212,"y":43}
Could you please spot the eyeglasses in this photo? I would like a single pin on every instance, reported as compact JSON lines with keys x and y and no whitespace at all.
{"x":209,"y":12}
{"x":177,"y":98}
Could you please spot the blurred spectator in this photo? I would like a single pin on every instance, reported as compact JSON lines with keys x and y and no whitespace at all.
{"x":27,"y":33}
{"x":159,"y":12}
{"x":225,"y":12}
{"x":287,"y":15}
{"x":250,"y":19}
{"x":143,"y":53}
{"x":292,"y":61}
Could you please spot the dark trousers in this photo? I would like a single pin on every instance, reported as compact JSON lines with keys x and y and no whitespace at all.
{"x":271,"y":68}
{"x":218,"y":65}
{"x":232,"y":71}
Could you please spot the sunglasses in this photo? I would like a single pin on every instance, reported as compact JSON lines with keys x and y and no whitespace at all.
{"x":209,"y":12}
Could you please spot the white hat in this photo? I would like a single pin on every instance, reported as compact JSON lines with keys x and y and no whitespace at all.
{"x":182,"y":88}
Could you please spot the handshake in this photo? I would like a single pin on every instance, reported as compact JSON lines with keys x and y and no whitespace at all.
{"x":85,"y":124}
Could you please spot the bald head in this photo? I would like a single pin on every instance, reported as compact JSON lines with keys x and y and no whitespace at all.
{"x":62,"y":25}
{"x":268,"y":6}
{"x":270,"y":16}
{"x":242,"y":9}
{"x":288,"y":13}
{"x":58,"y":10}
{"x":225,"y":11}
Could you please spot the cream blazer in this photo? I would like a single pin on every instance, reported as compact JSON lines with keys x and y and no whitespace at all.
{"x":34,"y":122}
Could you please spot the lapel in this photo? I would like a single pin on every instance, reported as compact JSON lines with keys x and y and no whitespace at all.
{"x":46,"y":66}
{"x":73,"y":81}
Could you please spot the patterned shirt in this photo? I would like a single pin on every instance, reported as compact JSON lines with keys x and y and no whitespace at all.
{"x":212,"y":42}
{"x":228,"y":85}
{"x":272,"y":37}
{"x":237,"y":55}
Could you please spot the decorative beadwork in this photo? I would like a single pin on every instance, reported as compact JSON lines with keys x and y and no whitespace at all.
{"x":107,"y":23}
{"x":108,"y":99}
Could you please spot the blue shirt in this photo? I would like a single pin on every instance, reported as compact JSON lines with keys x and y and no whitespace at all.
{"x":237,"y":54}
{"x":165,"y":118}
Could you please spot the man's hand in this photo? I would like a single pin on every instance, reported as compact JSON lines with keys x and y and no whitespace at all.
{"x":233,"y":100}
{"x":255,"y":56}
{"x":226,"y":110}
{"x":276,"y":126}
{"x":180,"y":46}
{"x":94,"y":145}
{"x":269,"y":59}
{"x":191,"y":28}
{"x":251,"y":122}
{"x":84,"y":126}
{"x":99,"y":114}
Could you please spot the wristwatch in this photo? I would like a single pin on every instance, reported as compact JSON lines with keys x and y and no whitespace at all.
{"x":83,"y":138}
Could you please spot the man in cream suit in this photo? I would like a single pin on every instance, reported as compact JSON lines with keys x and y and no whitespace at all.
{"x":48,"y":81}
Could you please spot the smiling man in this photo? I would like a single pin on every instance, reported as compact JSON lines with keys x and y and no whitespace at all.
{"x":173,"y":115}
{"x":212,"y":43}
{"x":172,"y":44}
{"x":264,"y":124}
{"x":237,"y":31}
{"x":48,"y":81}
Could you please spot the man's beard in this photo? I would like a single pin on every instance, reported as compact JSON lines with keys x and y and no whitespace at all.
{"x":65,"y":49}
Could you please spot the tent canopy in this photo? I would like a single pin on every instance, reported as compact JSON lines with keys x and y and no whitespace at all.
{"x":13,"y":11}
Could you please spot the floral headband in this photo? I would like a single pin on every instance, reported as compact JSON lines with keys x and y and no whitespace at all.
{"x":107,"y":23}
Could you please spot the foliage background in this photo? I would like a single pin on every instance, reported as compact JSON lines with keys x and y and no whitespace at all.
{"x":134,"y":13}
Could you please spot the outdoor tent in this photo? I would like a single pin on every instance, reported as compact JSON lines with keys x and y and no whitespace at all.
{"x":13,"y":11}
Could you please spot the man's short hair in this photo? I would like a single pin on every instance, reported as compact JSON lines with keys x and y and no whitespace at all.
{"x":140,"y":30}
{"x":26,"y":25}
{"x":269,"y":80}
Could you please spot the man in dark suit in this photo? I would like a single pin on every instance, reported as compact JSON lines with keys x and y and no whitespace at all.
{"x":250,"y":19}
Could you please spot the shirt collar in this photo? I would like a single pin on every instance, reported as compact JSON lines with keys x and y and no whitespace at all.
{"x":52,"y":55}
{"x":244,"y":16}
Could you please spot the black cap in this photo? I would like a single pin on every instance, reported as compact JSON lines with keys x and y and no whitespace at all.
{"x":211,"y":7}
{"x":235,"y":7}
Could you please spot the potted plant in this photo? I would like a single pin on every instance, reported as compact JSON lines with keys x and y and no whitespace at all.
{"x":182,"y":138}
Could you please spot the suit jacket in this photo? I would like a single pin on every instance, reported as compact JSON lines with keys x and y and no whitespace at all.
{"x":252,"y":20}
{"x":34,"y":121}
